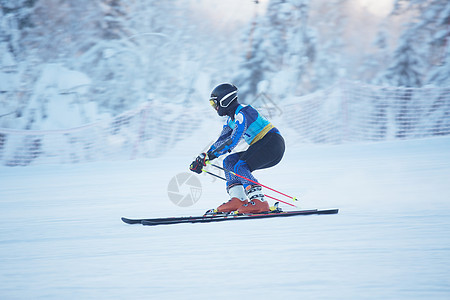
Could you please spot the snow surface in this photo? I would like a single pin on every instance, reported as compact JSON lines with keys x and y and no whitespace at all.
{"x":61,"y":236}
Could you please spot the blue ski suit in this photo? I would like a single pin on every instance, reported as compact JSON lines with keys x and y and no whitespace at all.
{"x":266,"y":145}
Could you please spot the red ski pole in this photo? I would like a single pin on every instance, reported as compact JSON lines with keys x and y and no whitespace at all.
{"x":231,"y":172}
{"x":276,"y":199}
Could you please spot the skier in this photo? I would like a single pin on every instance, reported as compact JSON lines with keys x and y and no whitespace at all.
{"x":266,"y":149}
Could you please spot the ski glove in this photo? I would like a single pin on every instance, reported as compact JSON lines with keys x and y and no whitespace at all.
{"x":198,"y":164}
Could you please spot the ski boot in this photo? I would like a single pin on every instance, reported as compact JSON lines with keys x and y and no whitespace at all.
{"x":238,"y":198}
{"x":257,"y":203}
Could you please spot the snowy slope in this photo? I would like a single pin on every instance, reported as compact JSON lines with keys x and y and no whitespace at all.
{"x":61,"y":236}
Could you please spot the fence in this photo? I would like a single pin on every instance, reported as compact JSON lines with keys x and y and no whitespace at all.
{"x":354,"y":112}
{"x":345,"y":112}
{"x":145,"y":132}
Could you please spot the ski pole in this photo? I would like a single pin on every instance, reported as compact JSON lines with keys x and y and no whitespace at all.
{"x":215,"y":175}
{"x":276,"y":199}
{"x":223,"y":169}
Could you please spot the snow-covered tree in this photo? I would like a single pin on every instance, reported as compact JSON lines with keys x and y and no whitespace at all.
{"x":407,"y":67}
{"x":440,"y":74}
{"x":331,"y":58}
{"x":282,"y":47}
{"x":421,"y":50}
{"x":302,"y":45}
{"x":438,"y":20}
{"x":377,"y":60}
{"x":128,"y":49}
{"x":264,"y":54}
{"x":254,"y":66}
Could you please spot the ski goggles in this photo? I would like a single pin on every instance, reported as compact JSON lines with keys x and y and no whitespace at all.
{"x":213,"y":103}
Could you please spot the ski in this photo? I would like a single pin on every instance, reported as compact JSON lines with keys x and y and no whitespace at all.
{"x":227,"y":217}
{"x":171,"y":219}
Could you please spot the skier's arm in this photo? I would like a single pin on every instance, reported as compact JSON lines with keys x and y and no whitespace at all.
{"x":224,"y":136}
{"x":229,"y":138}
{"x":220,"y":143}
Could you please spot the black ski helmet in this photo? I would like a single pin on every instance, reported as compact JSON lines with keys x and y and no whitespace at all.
{"x":224,"y":98}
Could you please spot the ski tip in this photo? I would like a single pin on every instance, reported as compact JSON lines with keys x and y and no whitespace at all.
{"x":130,"y":221}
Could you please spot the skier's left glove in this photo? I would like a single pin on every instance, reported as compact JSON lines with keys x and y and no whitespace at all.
{"x":198,"y":164}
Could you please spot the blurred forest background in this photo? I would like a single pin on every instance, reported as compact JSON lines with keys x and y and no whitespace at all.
{"x":104,"y":57}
